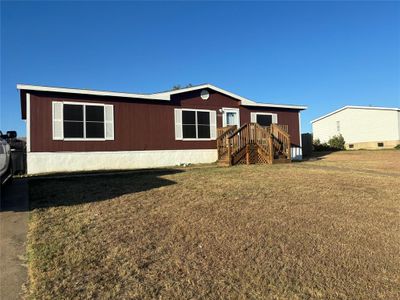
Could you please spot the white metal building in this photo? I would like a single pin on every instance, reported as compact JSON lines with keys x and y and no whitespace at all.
{"x":363,"y":127}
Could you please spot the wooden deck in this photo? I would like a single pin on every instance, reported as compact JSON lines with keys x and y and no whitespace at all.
{"x":253,"y":144}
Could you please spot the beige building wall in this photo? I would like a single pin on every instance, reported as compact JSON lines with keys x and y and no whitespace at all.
{"x":361,"y":127}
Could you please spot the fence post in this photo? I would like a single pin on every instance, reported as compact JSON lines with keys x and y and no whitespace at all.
{"x":271,"y":150}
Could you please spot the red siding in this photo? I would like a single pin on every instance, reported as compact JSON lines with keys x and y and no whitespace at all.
{"x":139,"y":124}
{"x":288,"y":117}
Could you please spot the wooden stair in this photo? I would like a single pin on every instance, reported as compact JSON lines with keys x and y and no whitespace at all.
{"x":253,"y":144}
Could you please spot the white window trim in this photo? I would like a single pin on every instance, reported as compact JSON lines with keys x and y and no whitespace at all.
{"x":84,"y":121}
{"x":229,"y":109}
{"x":267,"y":114}
{"x":196,"y":139}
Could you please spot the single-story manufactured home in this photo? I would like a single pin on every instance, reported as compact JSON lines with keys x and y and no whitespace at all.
{"x":362,"y":127}
{"x":77,"y":130}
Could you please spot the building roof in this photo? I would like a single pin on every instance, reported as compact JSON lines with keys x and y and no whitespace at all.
{"x":162,"y":96}
{"x":355,"y":107}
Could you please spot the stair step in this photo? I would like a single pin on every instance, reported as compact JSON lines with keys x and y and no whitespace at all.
{"x":252,"y":143}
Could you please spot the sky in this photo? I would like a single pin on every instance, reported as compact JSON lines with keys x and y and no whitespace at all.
{"x":321,"y":54}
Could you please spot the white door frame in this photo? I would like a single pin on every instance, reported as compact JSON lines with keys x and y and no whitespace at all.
{"x":225,"y":110}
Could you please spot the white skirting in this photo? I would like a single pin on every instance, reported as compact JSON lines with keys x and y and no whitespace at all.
{"x":296,"y":153}
{"x":49,"y":162}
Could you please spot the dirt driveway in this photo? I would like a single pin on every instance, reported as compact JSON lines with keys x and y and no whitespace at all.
{"x":13,"y":230}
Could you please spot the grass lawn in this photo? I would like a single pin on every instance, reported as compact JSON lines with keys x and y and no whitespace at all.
{"x":327,"y":228}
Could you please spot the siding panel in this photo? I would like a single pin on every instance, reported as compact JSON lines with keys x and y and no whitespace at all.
{"x":140,"y":124}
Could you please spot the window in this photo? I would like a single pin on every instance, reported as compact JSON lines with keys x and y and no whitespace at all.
{"x":338,"y":126}
{"x":195,"y":124}
{"x":264,"y":119}
{"x":189,"y":124}
{"x":82,"y":121}
{"x":380,"y":144}
{"x":94,"y":121}
{"x":73,"y":121}
{"x":231,"y":118}
{"x":351,"y":146}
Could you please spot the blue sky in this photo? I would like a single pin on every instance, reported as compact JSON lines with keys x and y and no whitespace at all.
{"x":321,"y":54}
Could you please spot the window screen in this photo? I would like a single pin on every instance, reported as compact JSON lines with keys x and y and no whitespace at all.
{"x":73,"y":121}
{"x":189,"y":124}
{"x":94,"y":121}
{"x":203,"y":124}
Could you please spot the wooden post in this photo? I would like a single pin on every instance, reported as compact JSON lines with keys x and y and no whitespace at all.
{"x":271,"y":150}
{"x":218,"y":148}
{"x":229,"y":152}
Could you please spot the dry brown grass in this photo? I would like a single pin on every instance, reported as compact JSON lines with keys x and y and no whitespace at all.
{"x":317,"y":229}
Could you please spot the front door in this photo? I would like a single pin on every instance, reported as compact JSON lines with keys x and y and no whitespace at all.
{"x":230,"y":117}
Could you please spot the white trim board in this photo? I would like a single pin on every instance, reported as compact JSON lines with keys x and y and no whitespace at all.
{"x":28,"y":122}
{"x":163,"y":96}
{"x":299,"y":117}
{"x":244,"y":101}
{"x":355,"y":107}
{"x":299,"y":107}
{"x":87,"y":92}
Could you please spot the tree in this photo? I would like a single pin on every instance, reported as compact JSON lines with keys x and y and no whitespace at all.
{"x":337,"y":142}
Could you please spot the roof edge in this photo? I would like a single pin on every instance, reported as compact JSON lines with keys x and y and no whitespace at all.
{"x":27,"y":87}
{"x":205,"y":86}
{"x":257,"y":104}
{"x":162,"y":96}
{"x":355,"y":107}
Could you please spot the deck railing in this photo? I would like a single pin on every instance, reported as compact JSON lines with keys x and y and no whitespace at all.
{"x":272,"y":140}
{"x":222,"y":140}
{"x":281,"y":139}
{"x":284,"y":127}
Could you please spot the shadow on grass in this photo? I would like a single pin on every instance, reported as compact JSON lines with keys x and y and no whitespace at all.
{"x":79,"y":188}
{"x":317,"y":155}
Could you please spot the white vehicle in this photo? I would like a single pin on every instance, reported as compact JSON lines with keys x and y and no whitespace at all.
{"x":5,"y":161}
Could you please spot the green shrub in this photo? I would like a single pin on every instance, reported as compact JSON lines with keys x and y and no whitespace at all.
{"x":317,"y":146}
{"x":397,"y":147}
{"x":337,"y":142}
